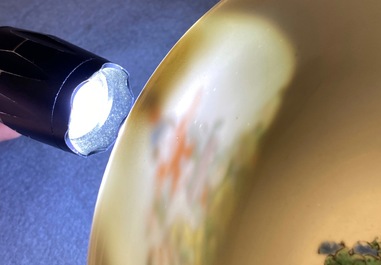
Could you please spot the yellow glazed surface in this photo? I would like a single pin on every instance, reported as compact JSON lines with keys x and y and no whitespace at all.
{"x":255,"y":141}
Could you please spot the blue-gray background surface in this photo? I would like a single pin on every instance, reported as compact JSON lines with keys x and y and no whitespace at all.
{"x":47,"y":196}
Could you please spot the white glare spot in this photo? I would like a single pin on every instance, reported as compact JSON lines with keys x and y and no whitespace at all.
{"x":90,"y":107}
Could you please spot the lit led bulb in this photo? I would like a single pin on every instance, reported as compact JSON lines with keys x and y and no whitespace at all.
{"x":90,"y":107}
{"x":98,"y":109}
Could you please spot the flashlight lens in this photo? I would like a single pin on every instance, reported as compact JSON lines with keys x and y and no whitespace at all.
{"x":91,"y":106}
{"x":99,"y":105}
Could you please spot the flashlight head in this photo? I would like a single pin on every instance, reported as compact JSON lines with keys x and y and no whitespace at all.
{"x":99,"y":105}
{"x":60,"y":94}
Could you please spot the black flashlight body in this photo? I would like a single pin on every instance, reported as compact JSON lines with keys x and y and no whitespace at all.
{"x":38,"y":74}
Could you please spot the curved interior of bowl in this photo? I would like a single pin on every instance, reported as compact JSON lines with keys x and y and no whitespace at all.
{"x":256,"y":141}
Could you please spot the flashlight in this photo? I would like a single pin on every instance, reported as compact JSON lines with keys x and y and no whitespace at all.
{"x":60,"y":94}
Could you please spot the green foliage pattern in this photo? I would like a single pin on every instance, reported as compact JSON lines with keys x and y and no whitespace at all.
{"x":362,"y":253}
